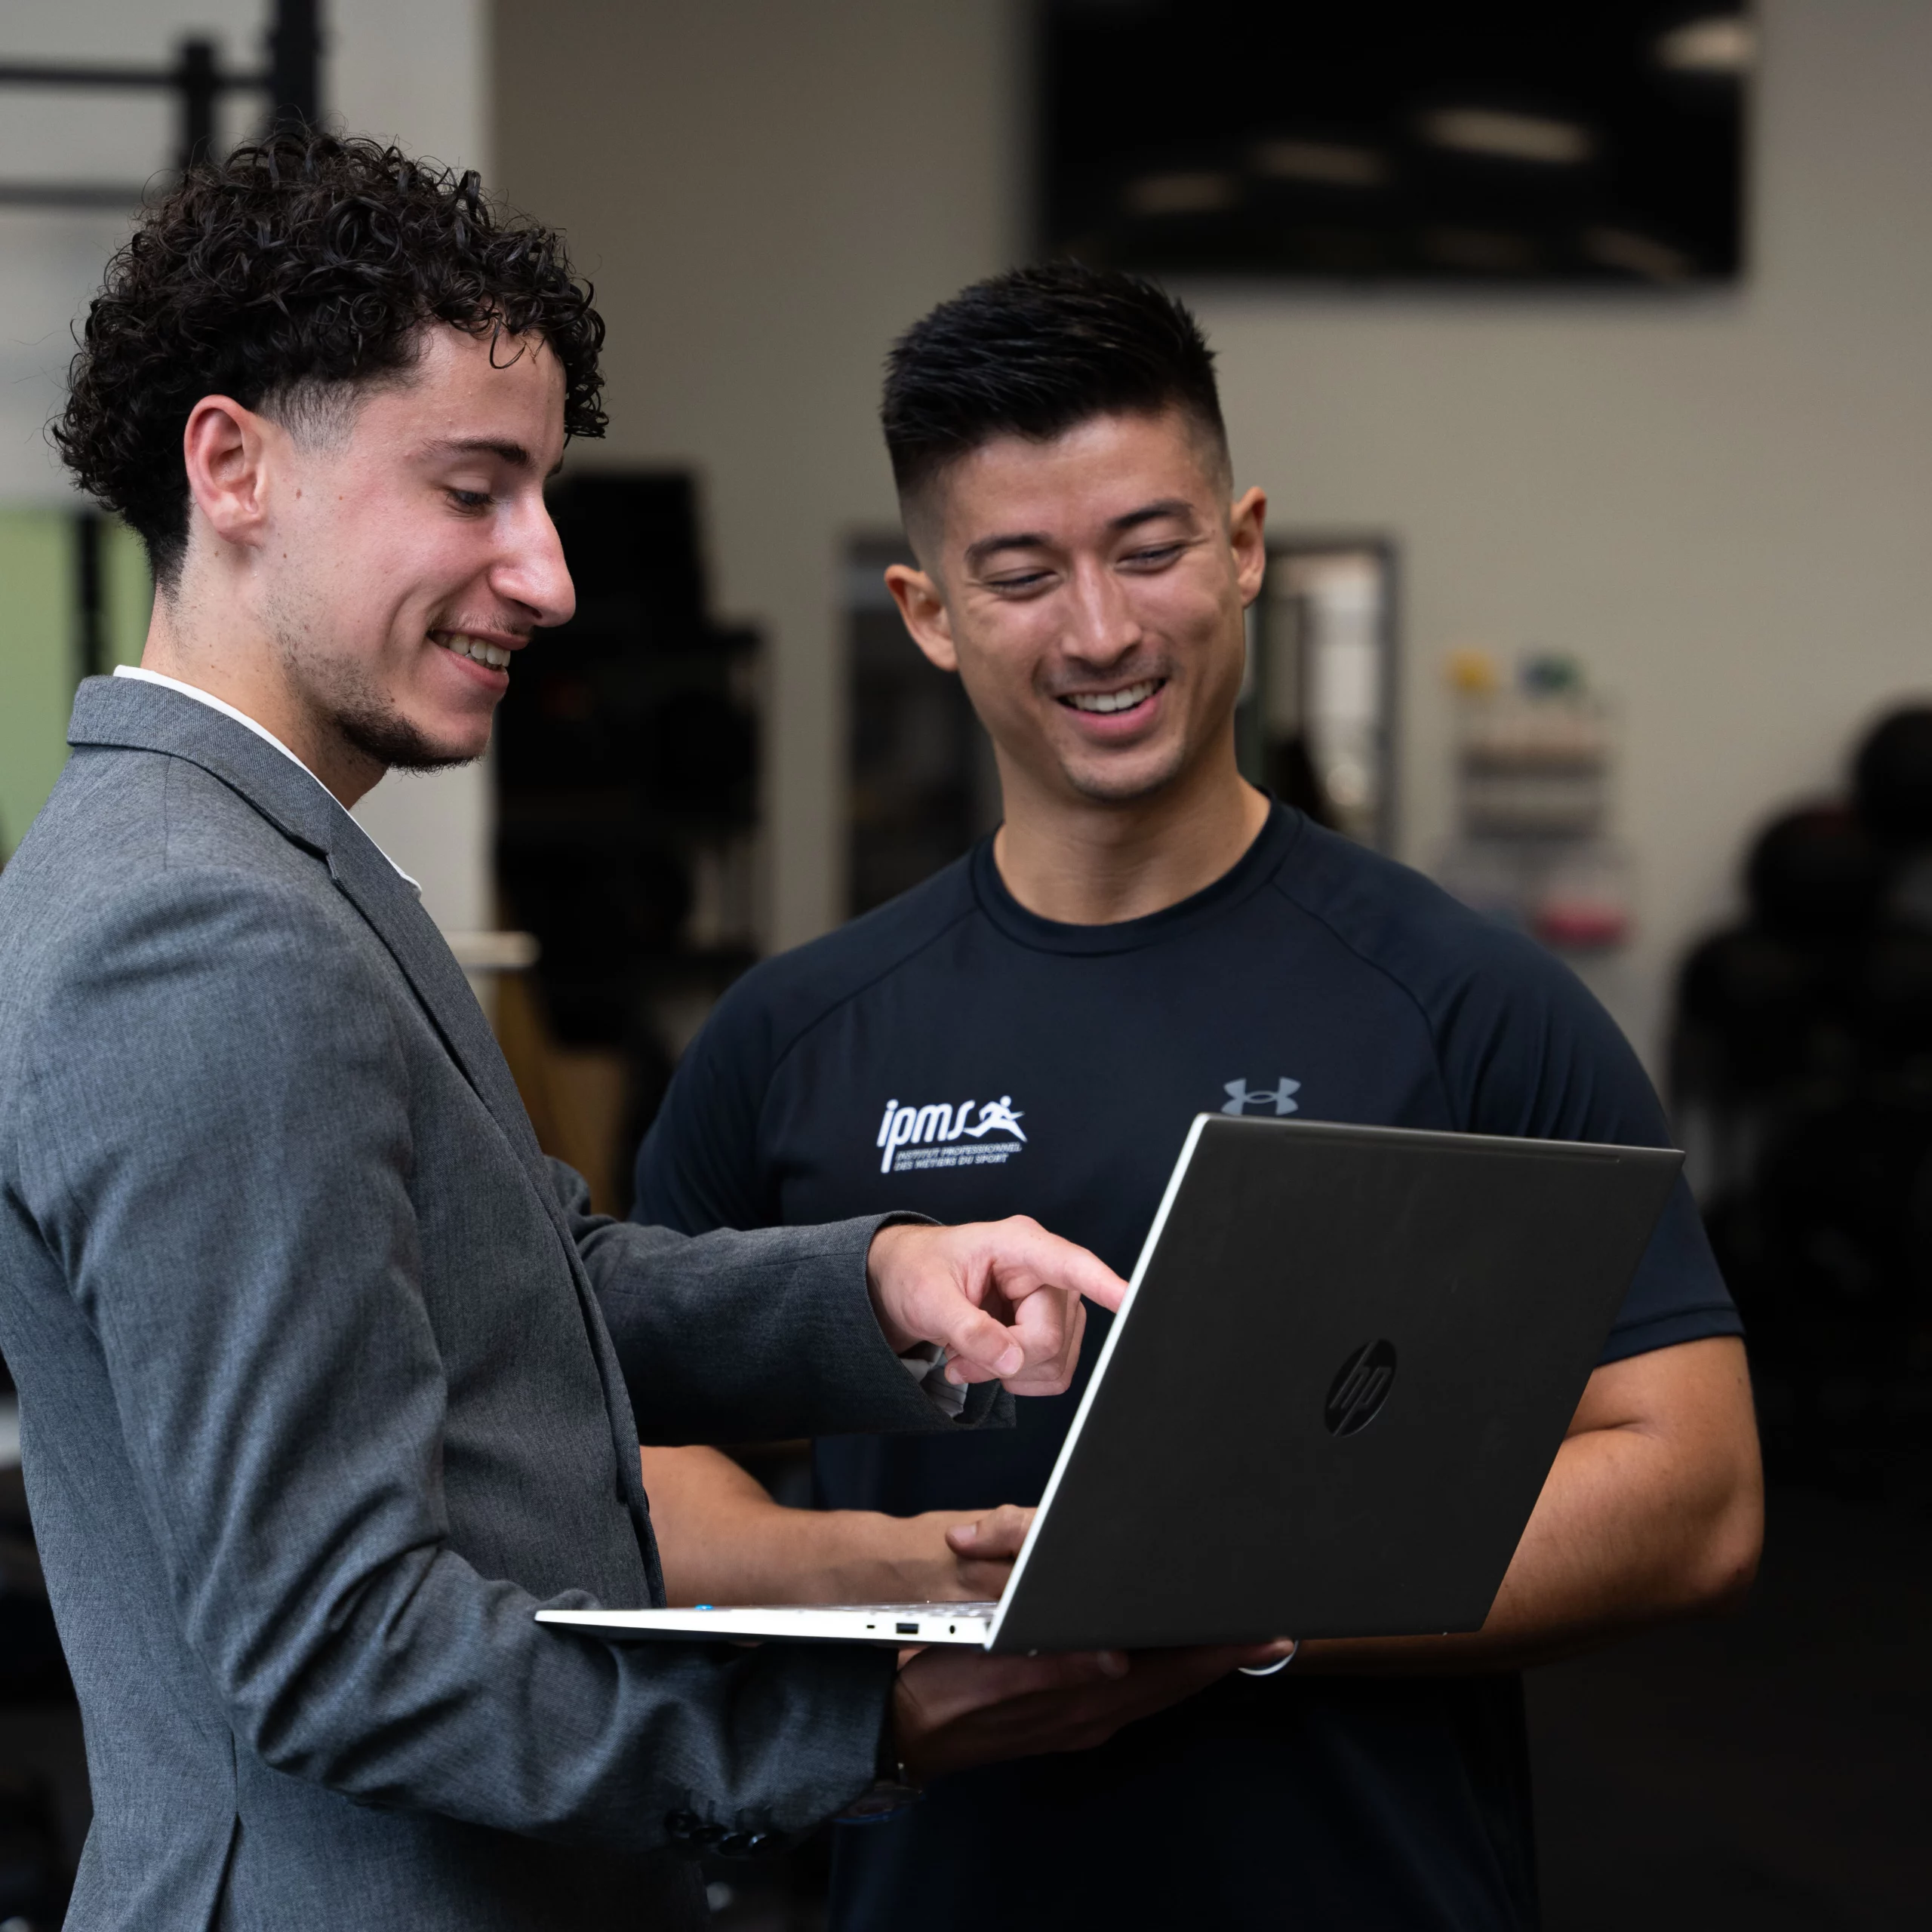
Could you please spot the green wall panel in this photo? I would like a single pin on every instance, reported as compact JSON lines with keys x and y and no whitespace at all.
{"x":126,"y":593}
{"x":36,"y":661}
{"x":38,"y":644}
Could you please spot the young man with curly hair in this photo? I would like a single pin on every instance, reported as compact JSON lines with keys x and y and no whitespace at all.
{"x":328,"y":1378}
{"x":1146,"y":937}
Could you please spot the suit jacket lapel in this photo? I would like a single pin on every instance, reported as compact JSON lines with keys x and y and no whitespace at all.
{"x":131,"y":714}
{"x":395,"y":912}
{"x":125,"y":712}
{"x":141,"y":716}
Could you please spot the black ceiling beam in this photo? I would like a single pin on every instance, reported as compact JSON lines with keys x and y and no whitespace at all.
{"x":34,"y":74}
{"x":292,"y":82}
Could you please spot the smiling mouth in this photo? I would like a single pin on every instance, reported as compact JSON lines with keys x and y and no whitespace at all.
{"x":464,"y":645}
{"x":1125,"y":700}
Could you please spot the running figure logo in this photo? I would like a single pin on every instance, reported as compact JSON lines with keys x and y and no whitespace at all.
{"x":926,"y":1135}
{"x":1242,"y":1098}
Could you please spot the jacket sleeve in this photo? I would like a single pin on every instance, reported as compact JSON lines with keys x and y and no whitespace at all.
{"x":757,"y":1335}
{"x":215,"y":1150}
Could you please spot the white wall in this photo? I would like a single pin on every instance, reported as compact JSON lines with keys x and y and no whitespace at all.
{"x":413,"y":70}
{"x":1721,"y":501}
{"x":764,"y":193}
{"x":50,"y":261}
{"x":417,"y":72}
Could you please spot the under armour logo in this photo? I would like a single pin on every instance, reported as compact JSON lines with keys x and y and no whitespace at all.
{"x":1281,"y":1096}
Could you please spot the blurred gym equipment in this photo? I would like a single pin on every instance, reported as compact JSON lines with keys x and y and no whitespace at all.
{"x":1801,"y":1073}
{"x":626,"y":772}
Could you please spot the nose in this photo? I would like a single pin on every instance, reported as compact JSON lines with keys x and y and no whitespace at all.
{"x":531,"y":570}
{"x":1103,"y":628}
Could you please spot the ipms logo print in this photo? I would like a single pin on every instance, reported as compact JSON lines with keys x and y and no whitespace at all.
{"x":914,"y":1137}
{"x":1279,"y":1099}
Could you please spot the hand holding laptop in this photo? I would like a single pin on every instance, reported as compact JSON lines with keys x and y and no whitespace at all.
{"x":952,"y":1709}
{"x":1002,"y":1298}
{"x":955,"y":1709}
{"x":983,"y":1552}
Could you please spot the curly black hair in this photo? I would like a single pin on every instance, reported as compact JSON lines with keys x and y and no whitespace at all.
{"x":302,"y":264}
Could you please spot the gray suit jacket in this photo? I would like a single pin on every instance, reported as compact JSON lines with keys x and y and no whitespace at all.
{"x":328,"y":1381}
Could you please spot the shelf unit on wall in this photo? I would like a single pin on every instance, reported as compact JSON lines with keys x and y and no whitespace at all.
{"x":1536,"y":765}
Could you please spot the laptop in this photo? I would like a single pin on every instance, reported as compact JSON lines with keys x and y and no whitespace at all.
{"x":1341,"y":1372}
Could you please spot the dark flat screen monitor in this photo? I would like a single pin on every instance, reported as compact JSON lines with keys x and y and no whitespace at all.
{"x":1499,"y":142}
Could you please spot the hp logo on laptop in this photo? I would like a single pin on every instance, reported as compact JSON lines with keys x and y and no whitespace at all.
{"x":1356,"y":1394}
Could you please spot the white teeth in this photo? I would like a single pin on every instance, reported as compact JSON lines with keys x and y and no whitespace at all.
{"x":464,"y":645}
{"x":1114,"y":700}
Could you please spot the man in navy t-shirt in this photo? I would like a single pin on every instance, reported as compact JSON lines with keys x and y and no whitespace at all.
{"x":1147,"y":937}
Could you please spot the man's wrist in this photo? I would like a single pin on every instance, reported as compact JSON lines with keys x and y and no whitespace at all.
{"x":885,"y":1237}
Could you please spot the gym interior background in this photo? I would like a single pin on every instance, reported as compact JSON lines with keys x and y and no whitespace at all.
{"x":1615,"y":544}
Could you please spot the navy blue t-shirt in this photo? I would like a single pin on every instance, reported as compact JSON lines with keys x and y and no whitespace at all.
{"x":954,"y":1054}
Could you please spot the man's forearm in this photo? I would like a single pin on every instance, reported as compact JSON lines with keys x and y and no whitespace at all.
{"x":1654,"y":1509}
{"x":721,"y":1538}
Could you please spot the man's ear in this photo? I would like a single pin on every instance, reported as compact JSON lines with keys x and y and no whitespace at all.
{"x":1248,"y":538}
{"x":924,"y":611}
{"x":226,"y":449}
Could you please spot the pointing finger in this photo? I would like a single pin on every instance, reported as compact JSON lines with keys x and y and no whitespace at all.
{"x":1024,"y":1251}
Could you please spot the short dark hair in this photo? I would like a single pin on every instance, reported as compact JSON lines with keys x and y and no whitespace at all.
{"x":1035,"y":353}
{"x":300,"y":266}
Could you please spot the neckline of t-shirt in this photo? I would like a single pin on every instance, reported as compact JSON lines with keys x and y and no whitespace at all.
{"x":1269,"y":846}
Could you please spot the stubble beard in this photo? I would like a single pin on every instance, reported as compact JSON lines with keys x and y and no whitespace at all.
{"x":1186,"y":752}
{"x":1106,"y":788}
{"x":348,"y":701}
{"x":1096,"y":776}
{"x":378,"y":731}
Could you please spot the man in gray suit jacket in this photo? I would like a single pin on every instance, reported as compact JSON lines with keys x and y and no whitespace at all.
{"x":328,"y":1377}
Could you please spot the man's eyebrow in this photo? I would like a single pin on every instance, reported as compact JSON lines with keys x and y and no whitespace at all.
{"x":989,"y":547}
{"x":1152,"y":512}
{"x":514,"y":454}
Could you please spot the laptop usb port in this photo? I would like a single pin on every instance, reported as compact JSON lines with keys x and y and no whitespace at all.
{"x":905,"y":1630}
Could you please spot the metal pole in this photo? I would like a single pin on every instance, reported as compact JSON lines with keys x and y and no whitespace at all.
{"x":295,"y":51}
{"x":199,"y":84}
{"x":89,"y":624}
